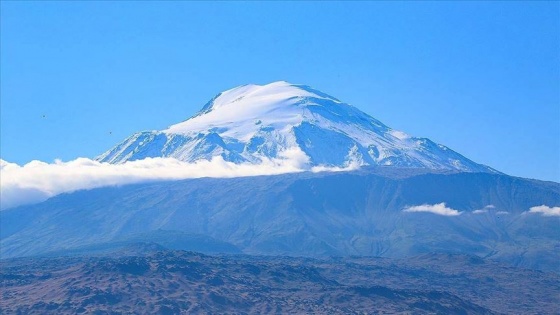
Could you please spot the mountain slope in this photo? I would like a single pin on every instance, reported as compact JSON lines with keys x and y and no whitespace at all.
{"x":254,"y":123}
{"x":357,"y":213}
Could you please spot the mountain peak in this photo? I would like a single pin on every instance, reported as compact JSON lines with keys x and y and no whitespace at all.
{"x":275,"y":93}
{"x":253,"y":123}
{"x":251,"y":107}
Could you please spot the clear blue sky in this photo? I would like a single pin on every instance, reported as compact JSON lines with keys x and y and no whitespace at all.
{"x":481,"y":78}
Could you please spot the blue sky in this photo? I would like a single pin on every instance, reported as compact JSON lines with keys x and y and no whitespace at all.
{"x":481,"y":78}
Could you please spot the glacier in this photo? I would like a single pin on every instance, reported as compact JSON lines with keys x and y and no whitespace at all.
{"x":253,"y":123}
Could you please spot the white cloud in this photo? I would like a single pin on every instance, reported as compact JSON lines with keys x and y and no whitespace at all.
{"x":37,"y":181}
{"x":546,"y":211}
{"x":439,"y":209}
{"x":483,"y":210}
{"x":502,"y":212}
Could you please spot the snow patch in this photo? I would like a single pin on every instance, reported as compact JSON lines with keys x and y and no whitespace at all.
{"x":399,"y":134}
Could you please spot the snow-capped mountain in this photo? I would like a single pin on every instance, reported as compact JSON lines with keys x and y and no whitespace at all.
{"x":253,"y":123}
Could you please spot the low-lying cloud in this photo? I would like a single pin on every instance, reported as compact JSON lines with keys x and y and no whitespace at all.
{"x":546,"y":211}
{"x":438,"y":208}
{"x":484,"y":210}
{"x":37,"y":181}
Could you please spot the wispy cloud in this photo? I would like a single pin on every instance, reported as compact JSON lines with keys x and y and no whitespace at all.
{"x":546,"y":211}
{"x":438,"y":208}
{"x":37,"y":181}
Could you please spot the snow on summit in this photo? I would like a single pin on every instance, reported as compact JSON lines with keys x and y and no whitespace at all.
{"x":244,"y":109}
{"x":253,"y":123}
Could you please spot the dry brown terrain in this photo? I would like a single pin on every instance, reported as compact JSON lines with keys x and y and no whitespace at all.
{"x":178,"y":282}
